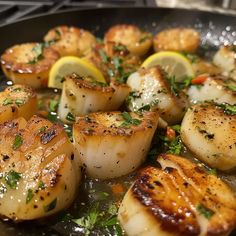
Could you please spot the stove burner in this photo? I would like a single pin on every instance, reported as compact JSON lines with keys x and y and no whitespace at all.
{"x":11,"y":11}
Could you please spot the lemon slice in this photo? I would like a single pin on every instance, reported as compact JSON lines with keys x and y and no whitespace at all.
{"x":70,"y":64}
{"x":173,"y":63}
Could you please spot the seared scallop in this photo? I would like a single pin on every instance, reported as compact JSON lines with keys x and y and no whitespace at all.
{"x":205,"y":67}
{"x":217,"y":89}
{"x":177,"y":199}
{"x":225,"y":58}
{"x":209,"y":131}
{"x":177,"y":39}
{"x":70,"y":41}
{"x":114,"y":61}
{"x":39,"y":174}
{"x":29,"y":64}
{"x":82,"y":95}
{"x":113,"y":144}
{"x":17,"y":101}
{"x":152,"y":91}
{"x":138,"y":42}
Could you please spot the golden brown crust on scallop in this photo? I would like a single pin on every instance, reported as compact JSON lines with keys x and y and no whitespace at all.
{"x":17,"y":100}
{"x":29,"y":64}
{"x":18,"y":59}
{"x":88,"y":83}
{"x":173,"y":195}
{"x":70,"y":41}
{"x":137,"y":42}
{"x":177,"y":39}
{"x":110,"y":123}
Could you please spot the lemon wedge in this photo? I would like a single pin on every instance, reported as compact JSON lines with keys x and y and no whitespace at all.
{"x":173,"y":63}
{"x":70,"y":64}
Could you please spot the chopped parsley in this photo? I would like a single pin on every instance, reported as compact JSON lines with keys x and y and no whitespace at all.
{"x":95,"y":218}
{"x":175,"y":146}
{"x":42,"y":129}
{"x":53,"y":104}
{"x":41,"y":185}
{"x":128,"y":120}
{"x":144,"y":38}
{"x":228,"y":108}
{"x":12,"y":178}
{"x":52,"y":116}
{"x":68,"y":130}
{"x":119,"y":48}
{"x":7,"y":101}
{"x":104,"y":56}
{"x":208,"y":213}
{"x":30,"y":195}
{"x":212,"y":171}
{"x":51,"y":205}
{"x":177,"y":87}
{"x":18,"y":141}
{"x":19,"y":102}
{"x":231,"y":87}
{"x":38,"y":52}
{"x":70,"y":117}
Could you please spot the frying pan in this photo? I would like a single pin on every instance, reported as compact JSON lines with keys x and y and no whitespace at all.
{"x":215,"y":29}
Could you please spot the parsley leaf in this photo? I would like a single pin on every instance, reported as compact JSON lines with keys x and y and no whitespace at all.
{"x":53,"y":104}
{"x":29,"y":196}
{"x":104,"y":56}
{"x":12,"y":178}
{"x":70,"y":117}
{"x":208,"y":213}
{"x":38,"y":51}
{"x":7,"y":101}
{"x":228,"y":108}
{"x":129,"y":120}
{"x":175,"y":146}
{"x":231,"y":87}
{"x":19,"y":102}
{"x":51,"y":205}
{"x":18,"y":141}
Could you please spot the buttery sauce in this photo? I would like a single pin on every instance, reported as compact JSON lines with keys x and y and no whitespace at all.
{"x":95,"y":198}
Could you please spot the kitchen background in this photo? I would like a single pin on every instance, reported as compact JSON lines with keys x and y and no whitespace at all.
{"x":13,"y":10}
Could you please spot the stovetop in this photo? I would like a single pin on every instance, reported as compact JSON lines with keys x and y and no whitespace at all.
{"x":11,"y":11}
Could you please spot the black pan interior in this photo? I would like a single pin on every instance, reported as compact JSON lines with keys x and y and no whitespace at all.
{"x":215,"y":29}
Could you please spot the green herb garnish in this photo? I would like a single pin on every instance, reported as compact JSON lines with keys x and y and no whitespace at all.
{"x":144,"y":38}
{"x":53,"y":104}
{"x":228,"y":108}
{"x":17,"y":142}
{"x":42,"y":129}
{"x":212,"y":171}
{"x":19,"y":102}
{"x":70,"y":117}
{"x":52,"y":116}
{"x":231,"y":87}
{"x":89,"y":221}
{"x":119,"y":48}
{"x":208,"y":213}
{"x":96,"y":218}
{"x":7,"y":101}
{"x":12,"y":178}
{"x":104,"y":56}
{"x":51,"y":205}
{"x":38,"y":51}
{"x":175,"y":146}
{"x":128,"y":120}
{"x":30,"y":195}
{"x":41,"y":185}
